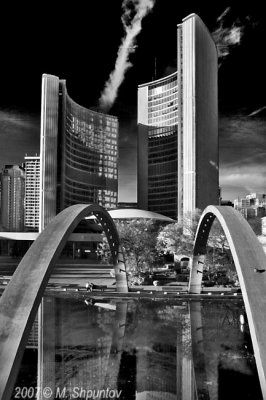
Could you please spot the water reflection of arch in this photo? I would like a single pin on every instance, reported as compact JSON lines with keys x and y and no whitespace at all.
{"x":248,"y":254}
{"x":221,"y":350}
{"x":21,"y":298}
{"x":79,"y":345}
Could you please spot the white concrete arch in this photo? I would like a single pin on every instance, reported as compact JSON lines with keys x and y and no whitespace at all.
{"x":21,"y":298}
{"x":250,"y":262}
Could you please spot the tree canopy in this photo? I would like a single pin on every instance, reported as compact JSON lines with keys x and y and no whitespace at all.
{"x":178,"y":237}
{"x":145,"y":242}
{"x":138,"y":238}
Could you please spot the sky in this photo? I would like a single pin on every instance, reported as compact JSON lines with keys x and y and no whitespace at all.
{"x":80,"y":42}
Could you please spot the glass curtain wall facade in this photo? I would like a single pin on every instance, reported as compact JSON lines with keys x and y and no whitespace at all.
{"x":178,"y":131}
{"x":79,"y":165}
{"x":160,"y":137}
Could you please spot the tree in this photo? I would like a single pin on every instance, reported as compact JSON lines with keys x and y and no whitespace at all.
{"x":138,"y":238}
{"x":178,"y":238}
{"x":171,"y":239}
{"x":190,"y":222}
{"x":218,"y":251}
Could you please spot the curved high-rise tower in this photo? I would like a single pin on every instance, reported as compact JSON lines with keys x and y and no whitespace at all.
{"x":178,"y":129}
{"x":79,"y":153}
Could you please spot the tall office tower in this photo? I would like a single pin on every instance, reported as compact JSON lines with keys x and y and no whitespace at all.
{"x":32,"y":193}
{"x":79,"y":153}
{"x":178,"y":129}
{"x":12,"y":198}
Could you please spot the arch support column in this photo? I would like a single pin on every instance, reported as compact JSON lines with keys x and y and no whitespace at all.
{"x":120,"y":272}
{"x":196,"y":273}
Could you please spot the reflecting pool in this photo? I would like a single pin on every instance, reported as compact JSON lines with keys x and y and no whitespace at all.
{"x":140,"y":349}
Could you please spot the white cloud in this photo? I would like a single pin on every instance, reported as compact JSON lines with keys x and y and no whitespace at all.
{"x":238,"y":180}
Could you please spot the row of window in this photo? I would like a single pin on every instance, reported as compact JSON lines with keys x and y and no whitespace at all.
{"x":105,"y":201}
{"x":159,"y":142}
{"x":152,"y":131}
{"x":164,"y":121}
{"x":163,"y":111}
{"x":165,"y":177}
{"x":98,"y":144}
{"x":81,"y":124}
{"x":110,"y":173}
{"x":94,"y":156}
{"x":85,"y":130}
{"x":96,"y":165}
{"x":169,"y":200}
{"x":86,"y":186}
{"x":80,"y":115}
{"x":156,"y":100}
{"x":93,"y":141}
{"x":168,"y":83}
{"x":89,"y":118}
{"x":162,"y":116}
{"x":167,"y":193}
{"x":162,"y":160}
{"x":165,"y":148}
{"x":156,"y":105}
{"x":108,"y":153}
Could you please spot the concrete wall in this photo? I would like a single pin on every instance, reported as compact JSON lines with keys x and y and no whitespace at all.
{"x":207,"y":156}
{"x":142,"y":155}
{"x":48,"y":151}
{"x":142,"y":167}
{"x":200,"y":116}
{"x":143,"y":105}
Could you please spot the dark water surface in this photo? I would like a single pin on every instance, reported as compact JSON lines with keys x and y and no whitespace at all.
{"x":140,"y":349}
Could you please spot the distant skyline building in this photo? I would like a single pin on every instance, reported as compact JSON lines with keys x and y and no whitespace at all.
{"x":253,"y":205}
{"x":78,"y":155}
{"x":178,"y":129}
{"x":32,"y":193}
{"x":12,"y":198}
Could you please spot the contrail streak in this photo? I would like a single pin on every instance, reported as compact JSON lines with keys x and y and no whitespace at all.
{"x":133,"y":13}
